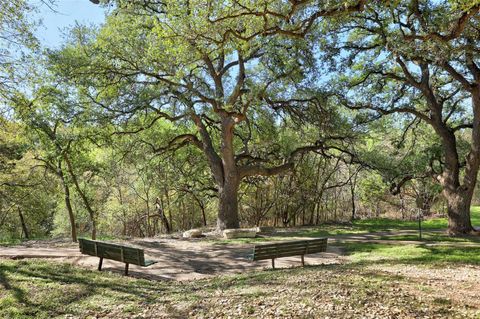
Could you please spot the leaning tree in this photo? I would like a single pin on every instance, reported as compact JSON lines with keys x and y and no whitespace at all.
{"x":420,"y":60}
{"x":206,"y":66}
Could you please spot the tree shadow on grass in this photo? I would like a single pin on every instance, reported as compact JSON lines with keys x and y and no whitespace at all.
{"x":29,"y":281}
{"x":17,"y":293}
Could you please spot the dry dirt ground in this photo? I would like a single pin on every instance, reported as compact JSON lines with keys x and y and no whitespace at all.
{"x":177,"y":259}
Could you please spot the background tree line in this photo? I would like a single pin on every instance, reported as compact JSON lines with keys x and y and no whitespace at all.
{"x":176,"y":115}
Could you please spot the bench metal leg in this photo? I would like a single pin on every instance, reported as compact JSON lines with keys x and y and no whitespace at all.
{"x":303,"y":260}
{"x":126,"y":269}
{"x":100,"y":264}
{"x":273,"y":263}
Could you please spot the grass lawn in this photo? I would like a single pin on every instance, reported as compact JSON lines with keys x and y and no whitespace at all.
{"x":45,"y":289}
{"x":426,"y":255}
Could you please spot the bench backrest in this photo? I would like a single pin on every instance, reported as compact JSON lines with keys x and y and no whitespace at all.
{"x":289,"y":248}
{"x":126,"y":254}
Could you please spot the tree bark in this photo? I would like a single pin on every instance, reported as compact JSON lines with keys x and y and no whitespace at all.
{"x":458,"y":210}
{"x":353,"y":184}
{"x":91,"y":212}
{"x":458,"y":196}
{"x":163,"y":217}
{"x":458,"y":199}
{"x":68,"y":204}
{"x":24,"y":225}
{"x":228,"y":205}
{"x":202,"y":208}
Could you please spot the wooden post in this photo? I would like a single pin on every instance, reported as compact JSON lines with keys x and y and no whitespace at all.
{"x":303,"y":260}
{"x":126,"y":269}
{"x":273,"y":263}
{"x":100,"y":264}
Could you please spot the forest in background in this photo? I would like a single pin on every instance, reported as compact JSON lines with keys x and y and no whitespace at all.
{"x":176,"y":115}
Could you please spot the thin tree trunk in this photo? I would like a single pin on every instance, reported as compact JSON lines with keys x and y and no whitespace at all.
{"x":402,"y":206}
{"x":167,"y":204}
{"x":163,"y":218}
{"x":204,"y":215}
{"x":83,"y":196}
{"x":353,"y":184}
{"x":124,"y":212}
{"x":68,"y":204}
{"x":24,"y":226}
{"x":149,"y":228}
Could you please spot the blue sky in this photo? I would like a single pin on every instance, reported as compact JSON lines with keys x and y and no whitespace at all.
{"x":66,"y":13}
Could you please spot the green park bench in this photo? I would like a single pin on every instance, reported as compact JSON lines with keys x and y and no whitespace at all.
{"x":288,"y":249}
{"x":125,"y":254}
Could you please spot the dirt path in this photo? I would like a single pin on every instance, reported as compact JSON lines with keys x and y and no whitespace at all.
{"x":183,"y":259}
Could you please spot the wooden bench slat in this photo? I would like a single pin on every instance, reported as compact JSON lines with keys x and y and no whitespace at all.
{"x":282,"y":251}
{"x":279,"y":255}
{"x":290,"y":248}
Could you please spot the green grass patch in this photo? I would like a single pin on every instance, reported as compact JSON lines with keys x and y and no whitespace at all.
{"x":475,"y":215}
{"x":412,"y":254}
{"x":432,"y":237}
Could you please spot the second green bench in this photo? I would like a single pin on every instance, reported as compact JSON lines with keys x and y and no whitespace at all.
{"x":289,"y":248}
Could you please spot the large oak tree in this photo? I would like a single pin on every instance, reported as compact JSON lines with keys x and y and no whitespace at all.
{"x":419,"y":59}
{"x":213,"y":64}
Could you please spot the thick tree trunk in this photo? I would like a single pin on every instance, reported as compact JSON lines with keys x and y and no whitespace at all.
{"x":458,"y":211}
{"x":228,"y":206}
{"x":228,"y":186}
{"x":458,"y":196}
